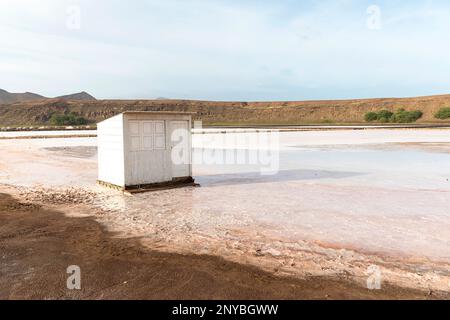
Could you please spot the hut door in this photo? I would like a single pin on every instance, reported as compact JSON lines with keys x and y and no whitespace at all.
{"x":180,"y":154}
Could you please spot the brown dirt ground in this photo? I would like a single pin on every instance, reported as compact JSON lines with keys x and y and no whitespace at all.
{"x":37,"y":245}
{"x":227,"y":113}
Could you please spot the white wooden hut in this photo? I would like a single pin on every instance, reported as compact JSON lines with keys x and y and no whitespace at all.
{"x":145,"y":149}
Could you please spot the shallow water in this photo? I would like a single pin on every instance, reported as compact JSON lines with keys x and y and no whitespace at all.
{"x":378,"y":198}
{"x":366,"y":190}
{"x":389,"y":200}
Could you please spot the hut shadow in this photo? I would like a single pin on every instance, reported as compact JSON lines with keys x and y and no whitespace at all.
{"x":281,"y":176}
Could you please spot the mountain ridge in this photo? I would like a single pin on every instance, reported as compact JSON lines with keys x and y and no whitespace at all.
{"x":10,"y":97}
{"x":350,"y":111}
{"x":80,"y":96}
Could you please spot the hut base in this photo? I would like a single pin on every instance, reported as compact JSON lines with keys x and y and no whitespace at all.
{"x":175,"y":183}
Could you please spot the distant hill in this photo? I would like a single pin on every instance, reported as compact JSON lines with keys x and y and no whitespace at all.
{"x":81,"y":96}
{"x":226,"y":113}
{"x":8,"y":97}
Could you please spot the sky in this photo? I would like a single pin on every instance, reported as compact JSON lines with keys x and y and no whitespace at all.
{"x":226,"y":50}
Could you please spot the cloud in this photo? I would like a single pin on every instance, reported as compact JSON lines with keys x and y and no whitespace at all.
{"x":225,"y":50}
